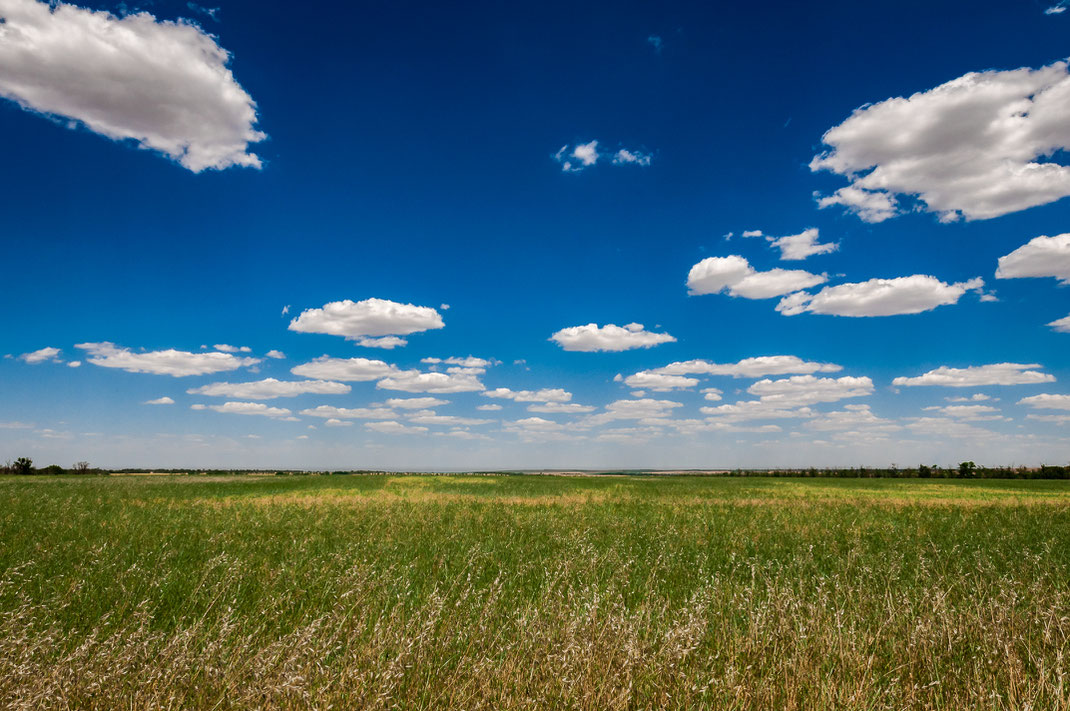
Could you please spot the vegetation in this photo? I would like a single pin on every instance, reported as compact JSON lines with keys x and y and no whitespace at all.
{"x":533,"y":593}
{"x":964,"y":470}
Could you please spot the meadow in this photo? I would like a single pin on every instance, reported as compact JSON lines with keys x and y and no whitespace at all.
{"x":533,"y":592}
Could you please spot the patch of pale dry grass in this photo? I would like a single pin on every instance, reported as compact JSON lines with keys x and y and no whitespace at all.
{"x":759,"y":645}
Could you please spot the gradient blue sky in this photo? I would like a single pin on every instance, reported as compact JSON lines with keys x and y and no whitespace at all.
{"x":413,"y":154}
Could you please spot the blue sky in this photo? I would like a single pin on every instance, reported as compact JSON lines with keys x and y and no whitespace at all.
{"x":474,"y":181}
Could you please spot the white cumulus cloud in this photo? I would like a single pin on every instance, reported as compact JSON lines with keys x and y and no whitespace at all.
{"x":446,"y":420}
{"x":164,"y":85}
{"x":368,"y":320}
{"x":755,"y":367}
{"x":414,"y":381}
{"x":415,"y":403}
{"x":41,"y":355}
{"x":658,"y":382}
{"x":345,"y":369}
{"x":974,"y":147}
{"x":1061,"y":325}
{"x":879,"y":297}
{"x":1047,"y":401}
{"x":808,"y":390}
{"x":735,"y":275}
{"x":980,"y":375}
{"x":1040,"y":257}
{"x":250,"y":408}
{"x":167,"y":362}
{"x":967,"y":413}
{"x":594,"y":338}
{"x":394,"y":427}
{"x":544,"y":395}
{"x":558,"y":408}
{"x":160,"y":401}
{"x":271,"y":388}
{"x":388,"y":343}
{"x":348,"y":413}
{"x":802,"y":245}
{"x":638,"y":409}
{"x":747,"y":410}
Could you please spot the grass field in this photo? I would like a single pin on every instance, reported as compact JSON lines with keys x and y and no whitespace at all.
{"x":533,"y":592}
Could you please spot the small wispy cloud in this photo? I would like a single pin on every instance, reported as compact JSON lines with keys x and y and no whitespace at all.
{"x":581,"y":156}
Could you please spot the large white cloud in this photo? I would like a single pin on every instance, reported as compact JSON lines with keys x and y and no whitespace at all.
{"x":593,"y":338}
{"x":543,"y":395}
{"x":1040,"y":257}
{"x":973,"y":147}
{"x":164,"y":85}
{"x":414,"y":381}
{"x":735,"y":275}
{"x":1047,"y":401}
{"x":41,"y":355}
{"x":168,"y":362}
{"x":755,"y":367}
{"x":365,"y":321}
{"x":1061,"y":325}
{"x":808,"y":390}
{"x":271,"y":388}
{"x":345,"y":369}
{"x":980,"y":375}
{"x":879,"y":297}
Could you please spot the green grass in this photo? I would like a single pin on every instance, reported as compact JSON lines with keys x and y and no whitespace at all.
{"x":533,"y":592}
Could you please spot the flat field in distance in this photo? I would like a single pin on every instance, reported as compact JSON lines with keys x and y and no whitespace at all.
{"x":533,"y":592}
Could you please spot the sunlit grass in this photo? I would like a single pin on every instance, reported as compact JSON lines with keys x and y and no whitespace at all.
{"x":533,"y":592}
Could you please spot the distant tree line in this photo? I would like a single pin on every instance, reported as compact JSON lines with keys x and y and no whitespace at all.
{"x":965,"y":470}
{"x":24,"y":467}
